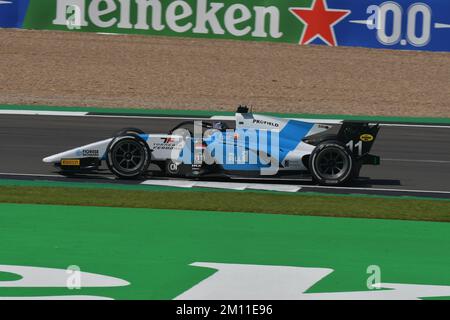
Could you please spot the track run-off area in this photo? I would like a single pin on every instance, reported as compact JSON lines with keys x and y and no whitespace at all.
{"x":415,"y":156}
{"x":128,"y":253}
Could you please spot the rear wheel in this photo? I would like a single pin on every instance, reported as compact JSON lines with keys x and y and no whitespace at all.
{"x":128,"y":157}
{"x":331,"y":163}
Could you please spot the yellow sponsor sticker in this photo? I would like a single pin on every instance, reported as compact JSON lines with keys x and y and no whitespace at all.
{"x":70,"y":162}
{"x":366,"y":137}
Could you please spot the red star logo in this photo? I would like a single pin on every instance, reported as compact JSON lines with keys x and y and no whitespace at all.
{"x":319,"y":22}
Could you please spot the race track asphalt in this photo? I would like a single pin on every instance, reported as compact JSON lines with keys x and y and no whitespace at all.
{"x":415,"y":158}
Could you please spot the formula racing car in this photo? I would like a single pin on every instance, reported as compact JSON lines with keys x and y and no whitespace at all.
{"x":244,"y":146}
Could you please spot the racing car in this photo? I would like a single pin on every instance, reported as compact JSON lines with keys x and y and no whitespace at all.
{"x":246,"y":146}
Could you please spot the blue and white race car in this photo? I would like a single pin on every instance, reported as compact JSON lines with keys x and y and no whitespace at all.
{"x":249,"y":145}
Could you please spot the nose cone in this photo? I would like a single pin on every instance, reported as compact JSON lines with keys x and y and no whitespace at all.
{"x":97,"y":148}
{"x":57,"y":157}
{"x":50,"y":159}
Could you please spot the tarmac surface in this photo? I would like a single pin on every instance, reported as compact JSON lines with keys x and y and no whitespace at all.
{"x":415,"y":157}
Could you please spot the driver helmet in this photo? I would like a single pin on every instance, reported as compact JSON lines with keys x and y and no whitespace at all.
{"x":219,"y":125}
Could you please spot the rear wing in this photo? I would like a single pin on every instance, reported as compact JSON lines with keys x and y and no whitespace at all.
{"x":359,"y":138}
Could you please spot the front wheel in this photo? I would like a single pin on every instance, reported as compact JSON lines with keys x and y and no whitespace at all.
{"x":331,"y":163}
{"x":128,"y":157}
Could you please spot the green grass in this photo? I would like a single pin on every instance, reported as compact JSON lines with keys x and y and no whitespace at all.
{"x":255,"y":202}
{"x":153,"y":249}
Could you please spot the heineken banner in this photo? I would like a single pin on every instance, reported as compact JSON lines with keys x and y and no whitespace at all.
{"x":400,"y":24}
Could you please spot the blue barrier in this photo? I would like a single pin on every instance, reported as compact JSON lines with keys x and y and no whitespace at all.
{"x":12,"y":13}
{"x":400,"y":24}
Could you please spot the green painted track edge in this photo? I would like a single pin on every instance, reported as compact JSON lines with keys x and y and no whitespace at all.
{"x":138,"y":187}
{"x":204,"y":113}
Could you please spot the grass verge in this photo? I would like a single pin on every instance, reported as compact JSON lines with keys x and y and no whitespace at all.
{"x":257,"y":202}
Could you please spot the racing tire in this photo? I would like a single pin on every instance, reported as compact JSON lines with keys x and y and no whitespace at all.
{"x":332,"y":163}
{"x":126,"y":131}
{"x":128,"y":157}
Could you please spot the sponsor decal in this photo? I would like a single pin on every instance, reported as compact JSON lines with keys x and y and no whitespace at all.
{"x":293,"y":163}
{"x":169,"y":140}
{"x":366,"y":137}
{"x":90,"y":153}
{"x":400,"y":24}
{"x":319,"y":22}
{"x":198,"y":17}
{"x":267,"y":123}
{"x":70,"y":162}
{"x":168,"y":143}
{"x":164,"y":146}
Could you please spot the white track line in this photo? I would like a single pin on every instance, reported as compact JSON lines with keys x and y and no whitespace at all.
{"x":421,"y":161}
{"x":85,"y":114}
{"x":222,"y":185}
{"x":145,"y":117}
{"x":46,"y":175}
{"x":322,"y":121}
{"x":378,"y":189}
{"x":44,"y":113}
{"x":274,"y":187}
{"x":223,"y":118}
{"x":31,"y":175}
{"x":170,"y":183}
{"x":413,"y":125}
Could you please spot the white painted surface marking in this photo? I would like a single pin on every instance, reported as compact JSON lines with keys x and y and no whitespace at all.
{"x":152,"y":117}
{"x":223,"y":185}
{"x":261,"y":282}
{"x":274,"y":187}
{"x":44,"y":113}
{"x":223,"y":118}
{"x":422,"y":161}
{"x":378,"y":189}
{"x":37,"y":277}
{"x":170,"y":183}
{"x":31,"y":175}
{"x":426,"y":126}
{"x":39,"y":175}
